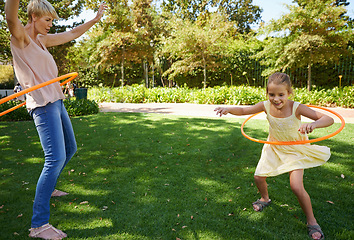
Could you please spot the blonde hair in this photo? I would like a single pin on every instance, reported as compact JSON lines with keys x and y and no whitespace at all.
{"x":280,"y":78}
{"x":41,"y":8}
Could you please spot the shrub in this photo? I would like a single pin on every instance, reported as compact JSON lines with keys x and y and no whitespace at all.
{"x":73,"y":107}
{"x":20,"y":114}
{"x":81,"y":107}
{"x":240,"y":95}
{"x":6,"y":77}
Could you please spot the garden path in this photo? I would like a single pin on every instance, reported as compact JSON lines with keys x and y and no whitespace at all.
{"x":195,"y":110}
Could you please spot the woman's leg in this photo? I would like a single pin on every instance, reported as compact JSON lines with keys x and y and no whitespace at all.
{"x":49,"y":124}
{"x":297,"y":186}
{"x":69,"y":136}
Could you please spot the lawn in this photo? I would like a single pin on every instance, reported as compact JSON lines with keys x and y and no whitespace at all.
{"x":151,"y":176}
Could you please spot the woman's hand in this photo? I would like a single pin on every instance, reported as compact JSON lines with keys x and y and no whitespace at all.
{"x":100,"y":12}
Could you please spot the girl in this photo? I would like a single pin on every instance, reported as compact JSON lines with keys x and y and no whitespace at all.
{"x":285,"y":125}
{"x":33,"y":64}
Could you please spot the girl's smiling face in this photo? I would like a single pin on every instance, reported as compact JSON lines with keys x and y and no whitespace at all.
{"x":278,"y":95}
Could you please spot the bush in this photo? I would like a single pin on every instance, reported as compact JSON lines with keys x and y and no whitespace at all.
{"x":240,"y":95}
{"x":20,"y":114}
{"x":81,"y":107}
{"x":73,"y":107}
{"x":6,"y":77}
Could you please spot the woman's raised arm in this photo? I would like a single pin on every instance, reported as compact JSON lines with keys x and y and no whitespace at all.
{"x":64,"y":37}
{"x":17,"y":30}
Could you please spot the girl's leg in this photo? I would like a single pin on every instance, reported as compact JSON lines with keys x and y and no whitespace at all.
{"x":262,"y":186}
{"x":297,"y":186}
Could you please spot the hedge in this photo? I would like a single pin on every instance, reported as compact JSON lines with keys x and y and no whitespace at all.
{"x":240,"y":95}
{"x":73,"y":107}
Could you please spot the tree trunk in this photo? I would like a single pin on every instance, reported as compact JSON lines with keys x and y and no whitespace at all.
{"x":162,"y":82}
{"x":205,"y":73}
{"x":153,"y":75}
{"x":309,"y":83}
{"x":146,"y":74}
{"x":122,"y":66}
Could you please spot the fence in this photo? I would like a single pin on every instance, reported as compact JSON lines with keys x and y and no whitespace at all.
{"x":321,"y":75}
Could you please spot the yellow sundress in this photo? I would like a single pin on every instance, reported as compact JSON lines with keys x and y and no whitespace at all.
{"x":279,"y":159}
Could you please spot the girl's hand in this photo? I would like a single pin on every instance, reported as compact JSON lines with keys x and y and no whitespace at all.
{"x":221,"y":111}
{"x":100,"y":11}
{"x":307,"y":128}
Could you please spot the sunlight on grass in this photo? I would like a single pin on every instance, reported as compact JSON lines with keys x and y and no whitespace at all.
{"x":33,"y":160}
{"x":81,"y":208}
{"x":90,"y":192}
{"x":205,"y":235}
{"x":148,"y":176}
{"x":5,"y":138}
{"x":336,"y":167}
{"x":84,"y":224}
{"x":102,"y":170}
{"x":207,"y":182}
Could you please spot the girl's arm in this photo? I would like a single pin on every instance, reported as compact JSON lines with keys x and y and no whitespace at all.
{"x":17,"y":30}
{"x":51,"y":40}
{"x":259,"y":107}
{"x":320,"y":120}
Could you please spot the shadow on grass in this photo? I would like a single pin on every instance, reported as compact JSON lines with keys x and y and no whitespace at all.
{"x":149,"y":176}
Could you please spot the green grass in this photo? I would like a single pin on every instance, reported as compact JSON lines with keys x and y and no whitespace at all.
{"x":151,"y":176}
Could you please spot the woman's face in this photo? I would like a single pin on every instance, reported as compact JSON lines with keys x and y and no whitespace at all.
{"x":43,"y":24}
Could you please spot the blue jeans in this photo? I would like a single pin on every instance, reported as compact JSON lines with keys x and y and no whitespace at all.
{"x":58,"y":142}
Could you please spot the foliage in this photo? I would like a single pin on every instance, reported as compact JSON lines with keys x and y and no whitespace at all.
{"x":74,"y":108}
{"x":139,"y":94}
{"x":142,"y":176}
{"x":241,"y":13}
{"x":6,"y":77}
{"x":121,"y":41}
{"x":336,"y":97}
{"x":240,"y":95}
{"x":312,"y":33}
{"x":134,"y":32}
{"x":196,"y":46}
{"x":20,"y":114}
{"x":239,"y":61}
{"x":81,"y":107}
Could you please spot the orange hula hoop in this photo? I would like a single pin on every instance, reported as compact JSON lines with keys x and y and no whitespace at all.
{"x":296,"y":142}
{"x":71,"y":76}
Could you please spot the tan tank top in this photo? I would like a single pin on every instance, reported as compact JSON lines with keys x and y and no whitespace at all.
{"x":34,"y":65}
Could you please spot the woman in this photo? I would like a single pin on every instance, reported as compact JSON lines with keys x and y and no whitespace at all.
{"x":33,"y":64}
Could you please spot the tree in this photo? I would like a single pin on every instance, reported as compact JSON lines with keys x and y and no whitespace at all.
{"x":124,"y":37}
{"x":187,"y":9}
{"x":313,"y":32}
{"x":118,"y":39}
{"x":241,"y":12}
{"x":199,"y":45}
{"x":239,"y":61}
